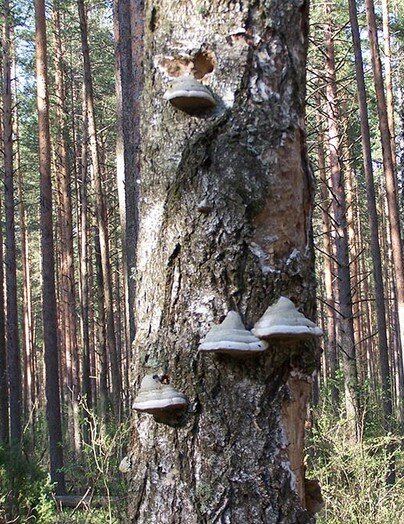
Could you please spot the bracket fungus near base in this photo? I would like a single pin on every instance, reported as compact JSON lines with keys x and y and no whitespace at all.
{"x":125,"y":465}
{"x":190,"y":96}
{"x":232,"y":338}
{"x":159,"y":399}
{"x":283,"y":321}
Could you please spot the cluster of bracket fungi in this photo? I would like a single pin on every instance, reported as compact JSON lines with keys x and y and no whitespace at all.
{"x":281,"y":321}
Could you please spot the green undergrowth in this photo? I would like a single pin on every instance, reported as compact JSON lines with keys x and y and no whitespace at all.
{"x":352,"y":475}
{"x":26,"y":491}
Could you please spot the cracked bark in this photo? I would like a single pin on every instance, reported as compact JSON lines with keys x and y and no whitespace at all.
{"x":225,"y":223}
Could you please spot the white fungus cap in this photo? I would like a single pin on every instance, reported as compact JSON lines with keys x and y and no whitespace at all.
{"x":126,"y":465}
{"x":189,"y":95}
{"x":232,"y":338}
{"x":155,"y":397}
{"x":283,"y":320}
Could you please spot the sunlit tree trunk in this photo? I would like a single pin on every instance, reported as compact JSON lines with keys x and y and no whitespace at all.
{"x":101,"y":215}
{"x":388,"y":165}
{"x":47,"y":252}
{"x":12,"y":338}
{"x":372,"y":214}
{"x":225,"y":211}
{"x":345,"y":331}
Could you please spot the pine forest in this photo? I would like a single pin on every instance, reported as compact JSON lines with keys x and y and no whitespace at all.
{"x":201,"y":262}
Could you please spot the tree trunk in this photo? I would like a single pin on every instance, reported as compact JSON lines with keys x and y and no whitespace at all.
{"x":101,"y":214}
{"x":225,"y":209}
{"x":48,"y":263}
{"x":128,"y":84}
{"x":388,"y":165}
{"x":12,"y":338}
{"x":372,"y":214}
{"x":66,"y":276}
{"x":346,"y":341}
{"x":329,"y":277}
{"x":4,"y":400}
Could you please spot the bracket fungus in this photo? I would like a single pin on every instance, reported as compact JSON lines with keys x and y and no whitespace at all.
{"x":125,"y":465}
{"x":190,"y":96}
{"x":232,"y":338}
{"x":159,"y":399}
{"x":282,"y":320}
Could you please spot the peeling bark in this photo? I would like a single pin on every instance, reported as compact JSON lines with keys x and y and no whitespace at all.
{"x":225,"y":208}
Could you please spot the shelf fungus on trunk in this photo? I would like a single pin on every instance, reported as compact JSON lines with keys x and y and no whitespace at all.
{"x":283,"y":321}
{"x":161,"y":400}
{"x":190,"y":96}
{"x":232,"y":338}
{"x":126,"y":464}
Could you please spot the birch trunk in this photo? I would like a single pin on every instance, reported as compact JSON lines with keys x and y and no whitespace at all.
{"x":225,"y":214}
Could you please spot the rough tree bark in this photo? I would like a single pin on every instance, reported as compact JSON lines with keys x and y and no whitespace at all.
{"x":225,"y":211}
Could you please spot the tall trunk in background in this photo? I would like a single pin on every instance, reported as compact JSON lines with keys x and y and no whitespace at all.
{"x":101,"y":215}
{"x":4,"y":420}
{"x":388,"y":165}
{"x":12,"y":338}
{"x":48,"y":262}
{"x":83,"y":265}
{"x":225,"y":211}
{"x":389,"y":78}
{"x":28,"y":339}
{"x":346,"y":341}
{"x":67,"y":276}
{"x":372,"y":214}
{"x":124,"y":162}
{"x":329,"y":277}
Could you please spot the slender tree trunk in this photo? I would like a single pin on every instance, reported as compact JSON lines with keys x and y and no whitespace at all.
{"x":13,"y":346}
{"x":326,"y":206}
{"x":48,"y":261}
{"x":346,"y":340}
{"x":84,"y":261}
{"x":389,"y":78}
{"x":4,"y":400}
{"x":245,"y":166}
{"x":101,"y":214}
{"x":372,"y":214}
{"x":388,"y":164}
{"x":29,"y":375}
{"x":67,"y":276}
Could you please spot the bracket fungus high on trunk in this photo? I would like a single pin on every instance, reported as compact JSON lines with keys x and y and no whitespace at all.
{"x":232,"y":338}
{"x":283,"y":321}
{"x":190,"y":96}
{"x":228,"y":460}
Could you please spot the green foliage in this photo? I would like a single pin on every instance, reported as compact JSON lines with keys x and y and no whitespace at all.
{"x":25,"y":488}
{"x":353,"y":475}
